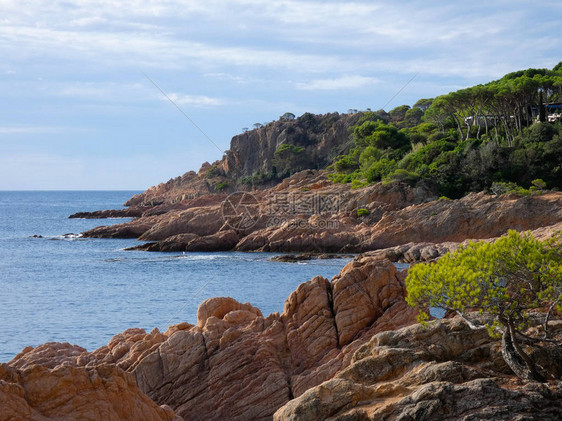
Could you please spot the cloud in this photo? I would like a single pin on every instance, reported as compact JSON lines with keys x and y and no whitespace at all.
{"x":32,"y":130}
{"x":122,"y":92}
{"x":226,"y":77}
{"x":284,"y":35}
{"x":196,"y":100}
{"x":343,"y":82}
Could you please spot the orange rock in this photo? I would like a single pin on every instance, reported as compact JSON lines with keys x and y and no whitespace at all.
{"x":236,"y":364}
{"x":66,"y":392}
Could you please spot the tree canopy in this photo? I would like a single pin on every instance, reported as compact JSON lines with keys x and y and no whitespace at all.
{"x":509,"y":279}
{"x":466,"y":140}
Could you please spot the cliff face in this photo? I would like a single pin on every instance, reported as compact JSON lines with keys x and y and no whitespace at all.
{"x":310,"y":142}
{"x":322,"y":136}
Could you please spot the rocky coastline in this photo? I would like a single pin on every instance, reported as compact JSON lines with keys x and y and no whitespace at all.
{"x":394,"y":214}
{"x":349,"y":348}
{"x":346,"y":348}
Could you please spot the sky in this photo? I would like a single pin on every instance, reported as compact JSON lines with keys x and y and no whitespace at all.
{"x":79,"y":109}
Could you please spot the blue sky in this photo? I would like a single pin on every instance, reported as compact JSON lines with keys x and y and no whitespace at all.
{"x":77,"y":112}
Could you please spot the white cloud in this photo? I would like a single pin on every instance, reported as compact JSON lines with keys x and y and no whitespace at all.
{"x":227,"y":77}
{"x":122,"y":92}
{"x":33,"y":130}
{"x":196,"y":100}
{"x":343,"y":82}
{"x":285,"y":35}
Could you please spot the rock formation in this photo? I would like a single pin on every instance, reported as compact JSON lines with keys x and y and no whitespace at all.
{"x":447,"y":371}
{"x":236,"y":363}
{"x":343,"y":349}
{"x":289,"y":218}
{"x":252,"y":158}
{"x":66,"y":392}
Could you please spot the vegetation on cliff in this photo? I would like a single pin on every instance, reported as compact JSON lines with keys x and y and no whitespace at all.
{"x":465,"y":140}
{"x":509,"y":279}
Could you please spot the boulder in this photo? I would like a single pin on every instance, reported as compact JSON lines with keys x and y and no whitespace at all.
{"x":445,"y":371}
{"x":105,"y":392}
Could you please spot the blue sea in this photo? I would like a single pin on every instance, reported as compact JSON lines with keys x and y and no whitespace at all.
{"x":83,"y":291}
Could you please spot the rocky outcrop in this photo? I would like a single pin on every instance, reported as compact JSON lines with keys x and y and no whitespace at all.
{"x":237,"y":364}
{"x":321,"y":136}
{"x":343,"y":349}
{"x":252,"y":156}
{"x":132,"y":212}
{"x":476,"y":216}
{"x":304,"y":205}
{"x":427,"y":252}
{"x":447,"y":371}
{"x":39,"y":393}
{"x":307,"y":213}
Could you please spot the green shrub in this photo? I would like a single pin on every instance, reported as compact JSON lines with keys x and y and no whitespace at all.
{"x":357,"y":184}
{"x":501,"y":187}
{"x":221,"y":186}
{"x":404,"y":176}
{"x":539,"y":184}
{"x":509,"y":279}
{"x":214,"y":171}
{"x":363,"y":212}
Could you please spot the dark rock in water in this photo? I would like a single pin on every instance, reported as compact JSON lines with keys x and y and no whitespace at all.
{"x":141,"y":247}
{"x":333,"y":256}
{"x":292,"y":258}
{"x":220,"y":241}
{"x":132,"y":212}
{"x":35,"y":236}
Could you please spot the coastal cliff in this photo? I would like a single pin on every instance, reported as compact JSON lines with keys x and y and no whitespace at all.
{"x":259,"y":158}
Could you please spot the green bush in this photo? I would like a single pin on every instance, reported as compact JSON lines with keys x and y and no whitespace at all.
{"x":501,"y":187}
{"x":539,"y":184}
{"x":214,"y":171}
{"x":363,"y":212}
{"x":404,"y":176}
{"x":221,"y":186}
{"x":454,"y":157}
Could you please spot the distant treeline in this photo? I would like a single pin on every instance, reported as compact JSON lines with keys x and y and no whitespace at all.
{"x":501,"y":135}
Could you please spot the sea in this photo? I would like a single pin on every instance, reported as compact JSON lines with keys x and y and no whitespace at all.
{"x":57,"y":286}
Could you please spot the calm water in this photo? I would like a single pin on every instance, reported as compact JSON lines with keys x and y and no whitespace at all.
{"x":84,"y":291}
